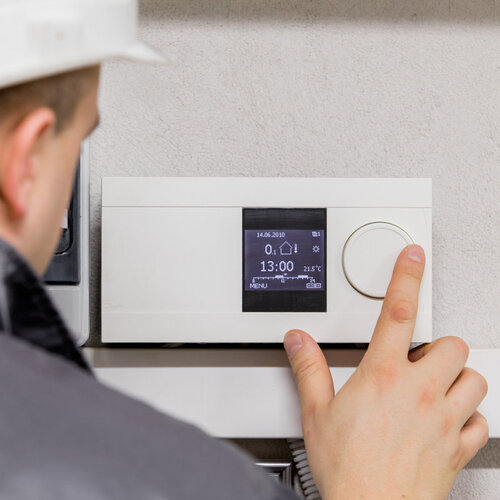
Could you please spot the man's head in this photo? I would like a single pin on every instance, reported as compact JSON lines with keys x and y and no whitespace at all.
{"x":42,"y":124}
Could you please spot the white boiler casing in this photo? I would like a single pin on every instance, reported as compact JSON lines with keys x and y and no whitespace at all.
{"x":173,"y":252}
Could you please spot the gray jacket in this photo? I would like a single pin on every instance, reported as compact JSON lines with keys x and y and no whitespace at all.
{"x":63,"y":435}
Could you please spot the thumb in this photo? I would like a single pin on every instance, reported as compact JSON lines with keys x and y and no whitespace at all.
{"x":314,"y":381}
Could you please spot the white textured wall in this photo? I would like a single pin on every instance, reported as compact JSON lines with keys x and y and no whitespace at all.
{"x":358,"y":88}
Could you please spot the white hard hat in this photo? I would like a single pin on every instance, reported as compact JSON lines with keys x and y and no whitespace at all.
{"x":39,"y":38}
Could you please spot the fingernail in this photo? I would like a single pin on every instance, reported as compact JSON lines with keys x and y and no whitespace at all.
{"x":292,"y":342}
{"x":415,"y":253}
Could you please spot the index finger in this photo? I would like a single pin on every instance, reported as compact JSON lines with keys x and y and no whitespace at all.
{"x":396,"y":323}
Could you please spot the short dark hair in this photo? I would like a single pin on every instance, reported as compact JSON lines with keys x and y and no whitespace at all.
{"x":61,"y":93}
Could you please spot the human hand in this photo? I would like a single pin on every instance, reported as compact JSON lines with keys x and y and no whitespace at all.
{"x":404,"y":424}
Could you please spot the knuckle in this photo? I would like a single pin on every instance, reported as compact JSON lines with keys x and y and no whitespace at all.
{"x":402,"y":311}
{"x":484,"y":386}
{"x":427,"y":395}
{"x":484,"y":434}
{"x":481,"y":383}
{"x":466,"y":374}
{"x":476,"y":378}
{"x":458,"y":345}
{"x":386,"y":375}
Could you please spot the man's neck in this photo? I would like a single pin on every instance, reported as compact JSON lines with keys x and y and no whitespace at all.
{"x":10,"y":235}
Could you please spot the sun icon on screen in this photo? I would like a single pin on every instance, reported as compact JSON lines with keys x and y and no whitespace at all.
{"x":316,"y":249}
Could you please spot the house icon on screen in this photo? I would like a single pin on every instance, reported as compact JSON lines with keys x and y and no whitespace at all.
{"x":286,"y":248}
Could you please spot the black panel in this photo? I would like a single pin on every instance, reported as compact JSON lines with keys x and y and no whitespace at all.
{"x":65,"y":266}
{"x":289,"y":280}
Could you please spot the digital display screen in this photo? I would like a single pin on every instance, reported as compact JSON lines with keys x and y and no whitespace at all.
{"x":284,"y":259}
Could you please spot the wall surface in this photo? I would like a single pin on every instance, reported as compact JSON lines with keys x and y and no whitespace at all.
{"x":341,"y":89}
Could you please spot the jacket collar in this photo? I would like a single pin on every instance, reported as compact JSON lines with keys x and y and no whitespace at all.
{"x":28,"y":313}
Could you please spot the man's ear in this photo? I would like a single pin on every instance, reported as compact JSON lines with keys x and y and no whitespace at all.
{"x":25,"y":145}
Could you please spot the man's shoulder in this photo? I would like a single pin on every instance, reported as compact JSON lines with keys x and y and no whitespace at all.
{"x":59,"y":426}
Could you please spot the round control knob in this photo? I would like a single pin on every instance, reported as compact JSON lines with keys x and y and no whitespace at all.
{"x":369,"y":256}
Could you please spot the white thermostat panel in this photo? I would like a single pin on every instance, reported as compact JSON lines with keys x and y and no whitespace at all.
{"x":239,"y":260}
